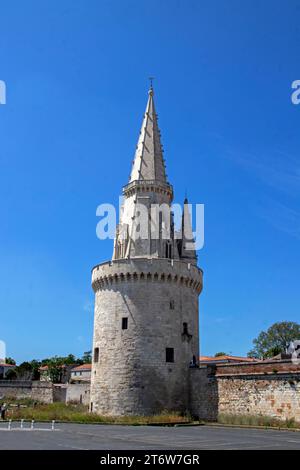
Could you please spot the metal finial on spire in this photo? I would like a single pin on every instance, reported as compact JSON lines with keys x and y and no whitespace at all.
{"x":151,"y":85}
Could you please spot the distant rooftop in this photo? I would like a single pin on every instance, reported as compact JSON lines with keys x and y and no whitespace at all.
{"x":82,"y":367}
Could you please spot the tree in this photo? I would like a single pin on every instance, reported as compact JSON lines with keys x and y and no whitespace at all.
{"x":55,"y":369}
{"x":35,"y":366}
{"x":69,"y":360}
{"x":24,"y":371}
{"x":56,"y":366}
{"x":218,"y":354}
{"x":10,"y":360}
{"x":11,"y":374}
{"x":87,"y":357}
{"x":275,"y":340}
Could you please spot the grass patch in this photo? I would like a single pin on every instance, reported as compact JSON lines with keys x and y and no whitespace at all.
{"x":79,"y":414}
{"x":255,"y":420}
{"x":19,"y":401}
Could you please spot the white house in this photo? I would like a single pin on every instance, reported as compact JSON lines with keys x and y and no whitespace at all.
{"x":81,"y":374}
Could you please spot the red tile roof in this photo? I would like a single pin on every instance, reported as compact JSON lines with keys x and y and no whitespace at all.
{"x":82,"y":367}
{"x":2,"y":364}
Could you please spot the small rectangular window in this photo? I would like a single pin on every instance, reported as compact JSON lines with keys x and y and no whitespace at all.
{"x":169,"y":354}
{"x":172,"y":304}
{"x":96,"y":355}
{"x":124,"y":323}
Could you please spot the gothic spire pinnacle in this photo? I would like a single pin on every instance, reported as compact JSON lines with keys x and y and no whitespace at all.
{"x":188,"y":251}
{"x":148,"y":161}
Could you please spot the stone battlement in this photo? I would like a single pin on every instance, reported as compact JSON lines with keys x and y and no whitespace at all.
{"x":144,"y":269}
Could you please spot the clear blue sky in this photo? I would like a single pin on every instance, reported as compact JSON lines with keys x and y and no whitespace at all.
{"x":76,"y":75}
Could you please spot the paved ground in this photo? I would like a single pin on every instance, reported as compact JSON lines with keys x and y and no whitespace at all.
{"x":86,"y":436}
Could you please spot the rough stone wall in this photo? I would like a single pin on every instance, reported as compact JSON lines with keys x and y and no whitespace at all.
{"x":78,"y":393}
{"x":203,"y":394}
{"x":39,"y":391}
{"x":15,"y":389}
{"x":132,"y":376}
{"x":60,"y":392}
{"x":42,"y":392}
{"x":265,"y":389}
{"x":274,"y":396}
{"x":45,"y":392}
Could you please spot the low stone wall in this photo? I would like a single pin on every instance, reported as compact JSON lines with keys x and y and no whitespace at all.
{"x":78,"y":393}
{"x":15,"y":389}
{"x":35,"y":390}
{"x":45,"y":392}
{"x":60,"y":392}
{"x":203,"y":394}
{"x":266,"y":389}
{"x":270,"y":395}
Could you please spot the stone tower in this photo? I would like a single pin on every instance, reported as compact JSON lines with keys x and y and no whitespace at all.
{"x":146,"y":297}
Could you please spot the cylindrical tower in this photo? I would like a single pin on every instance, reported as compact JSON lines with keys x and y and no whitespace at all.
{"x":146,"y":299}
{"x":145,"y":335}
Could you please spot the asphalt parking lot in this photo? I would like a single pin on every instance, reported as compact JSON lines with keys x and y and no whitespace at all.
{"x":115,"y":437}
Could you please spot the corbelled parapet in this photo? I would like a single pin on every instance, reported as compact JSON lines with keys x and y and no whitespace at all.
{"x":144,"y":269}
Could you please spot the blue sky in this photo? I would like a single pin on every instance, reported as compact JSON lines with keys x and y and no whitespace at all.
{"x":76,"y":76}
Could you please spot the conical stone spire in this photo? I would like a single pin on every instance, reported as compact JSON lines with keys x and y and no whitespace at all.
{"x":141,"y":233}
{"x":148,"y":161}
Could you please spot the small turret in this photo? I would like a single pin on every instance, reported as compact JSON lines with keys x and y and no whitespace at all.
{"x":187,"y":243}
